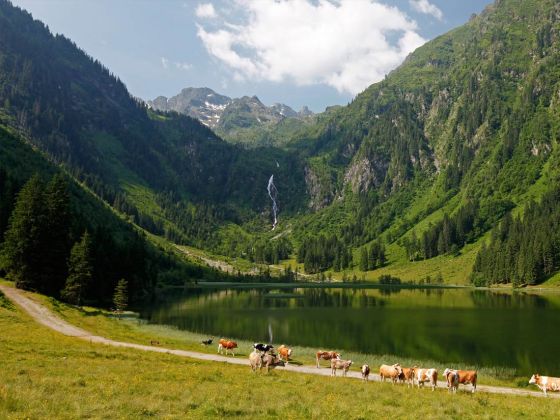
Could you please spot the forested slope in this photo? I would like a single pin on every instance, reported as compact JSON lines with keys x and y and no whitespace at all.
{"x":422,"y":165}
{"x":466,"y":130}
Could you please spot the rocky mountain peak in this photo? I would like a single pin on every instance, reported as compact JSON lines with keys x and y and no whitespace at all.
{"x":222,"y":112}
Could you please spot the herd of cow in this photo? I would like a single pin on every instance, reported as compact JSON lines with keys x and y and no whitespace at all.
{"x":264,"y":356}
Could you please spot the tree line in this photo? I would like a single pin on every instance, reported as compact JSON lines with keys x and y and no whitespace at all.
{"x":323,"y":252}
{"x":270,"y":251}
{"x":372,"y":257}
{"x":43,"y":251}
{"x":452,"y":233}
{"x":523,"y":249}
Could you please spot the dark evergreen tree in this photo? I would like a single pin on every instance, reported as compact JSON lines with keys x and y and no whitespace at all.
{"x":364,"y":261}
{"x":56,"y":249}
{"x":24,"y":243}
{"x":80,"y":271}
{"x":120,"y":297}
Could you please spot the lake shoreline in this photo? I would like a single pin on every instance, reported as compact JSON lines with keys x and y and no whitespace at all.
{"x":362,"y":285}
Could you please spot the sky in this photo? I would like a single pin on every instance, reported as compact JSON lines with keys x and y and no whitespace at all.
{"x":298,"y":52}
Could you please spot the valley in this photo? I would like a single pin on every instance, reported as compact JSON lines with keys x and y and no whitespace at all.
{"x":417,"y":224}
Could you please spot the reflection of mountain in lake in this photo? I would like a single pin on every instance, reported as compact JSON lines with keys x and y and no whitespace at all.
{"x":459,"y":326}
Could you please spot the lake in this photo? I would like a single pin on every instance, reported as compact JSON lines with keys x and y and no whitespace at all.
{"x":479,"y":327}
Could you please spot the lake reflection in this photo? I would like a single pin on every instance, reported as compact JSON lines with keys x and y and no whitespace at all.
{"x":471,"y":326}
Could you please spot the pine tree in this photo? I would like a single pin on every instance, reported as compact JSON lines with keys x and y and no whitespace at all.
{"x":372,"y":260}
{"x":80,"y":271}
{"x":55,"y":253}
{"x":24,"y":239}
{"x":120,"y":297}
{"x":364,"y":259}
{"x":382,"y":257}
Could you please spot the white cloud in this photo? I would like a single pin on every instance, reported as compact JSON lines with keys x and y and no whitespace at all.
{"x":424,"y":6}
{"x":183,"y":66}
{"x":347,"y":44}
{"x":167,"y":64}
{"x":205,"y":10}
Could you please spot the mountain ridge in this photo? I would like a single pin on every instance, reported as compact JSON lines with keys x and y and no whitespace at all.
{"x":238,"y":120}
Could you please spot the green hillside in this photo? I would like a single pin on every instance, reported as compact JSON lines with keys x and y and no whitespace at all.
{"x":462,"y":133}
{"x":171,"y":173}
{"x":410,"y":179}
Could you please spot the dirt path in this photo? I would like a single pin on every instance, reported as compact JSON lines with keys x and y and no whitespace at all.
{"x":45,"y":317}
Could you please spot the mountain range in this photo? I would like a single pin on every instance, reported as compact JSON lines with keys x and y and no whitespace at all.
{"x":414,"y":178}
{"x":240,"y":120}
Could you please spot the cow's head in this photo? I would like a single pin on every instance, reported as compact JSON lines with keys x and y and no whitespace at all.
{"x":535,"y":378}
{"x":398,"y":367}
{"x":289,"y":352}
{"x":337,"y":356}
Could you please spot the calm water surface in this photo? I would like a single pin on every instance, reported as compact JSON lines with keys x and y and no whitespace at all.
{"x":484,"y":328}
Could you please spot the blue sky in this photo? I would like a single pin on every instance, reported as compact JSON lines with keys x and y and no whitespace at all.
{"x":299,"y":52}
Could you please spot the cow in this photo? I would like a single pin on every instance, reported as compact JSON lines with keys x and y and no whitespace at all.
{"x":407,"y":375}
{"x":207,"y":342}
{"x":326,"y":355}
{"x":392,"y":372}
{"x":545,"y":383}
{"x":340,"y":364}
{"x":255,"y":359}
{"x":154,"y":343}
{"x":464,"y":377}
{"x":452,"y":378}
{"x":284,"y":353}
{"x":264,"y":348}
{"x":226,"y":345}
{"x":365,"y":373}
{"x":426,"y":375}
{"x":270,"y":361}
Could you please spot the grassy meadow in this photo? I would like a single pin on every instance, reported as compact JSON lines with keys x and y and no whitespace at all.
{"x":46,"y":375}
{"x":131,"y":329}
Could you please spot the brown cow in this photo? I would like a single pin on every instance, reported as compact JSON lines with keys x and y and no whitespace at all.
{"x":452,"y":378}
{"x":326,"y":355}
{"x":226,"y":345}
{"x":270,"y":361}
{"x":392,"y":372}
{"x":545,"y":383}
{"x":407,"y":375}
{"x":426,"y":375}
{"x":284,"y":352}
{"x":340,"y":364}
{"x":464,"y":377}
